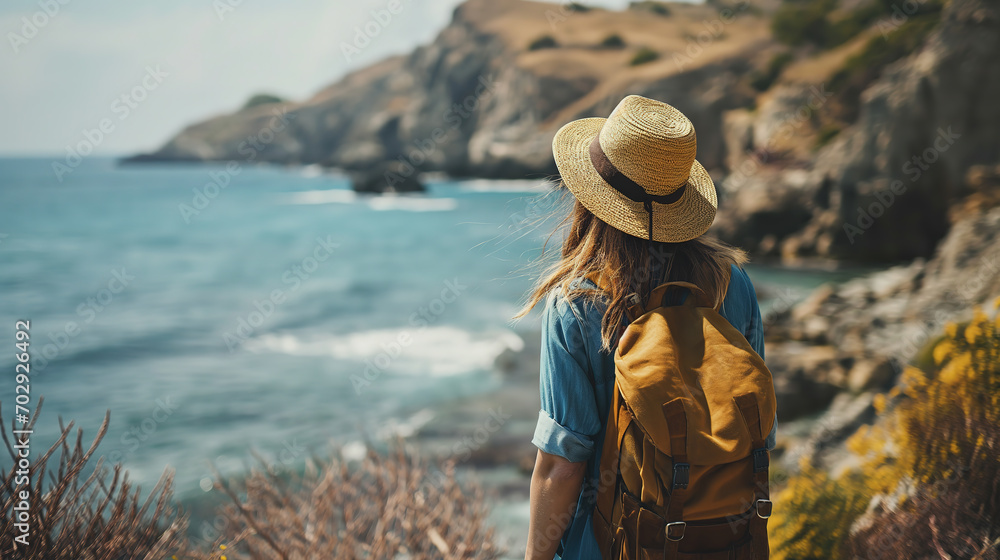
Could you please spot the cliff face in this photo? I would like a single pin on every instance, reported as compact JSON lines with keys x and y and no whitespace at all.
{"x":487,"y":95}
{"x":882,"y":188}
{"x":480,"y":101}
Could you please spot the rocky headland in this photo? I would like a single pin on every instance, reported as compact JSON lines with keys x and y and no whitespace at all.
{"x":851,"y":130}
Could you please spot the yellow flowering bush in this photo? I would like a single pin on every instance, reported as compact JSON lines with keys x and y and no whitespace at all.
{"x":935,"y":448}
{"x":813,"y":514}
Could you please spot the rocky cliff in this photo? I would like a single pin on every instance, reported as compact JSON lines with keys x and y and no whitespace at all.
{"x":485,"y":98}
{"x":834,"y":351}
{"x":882,"y":188}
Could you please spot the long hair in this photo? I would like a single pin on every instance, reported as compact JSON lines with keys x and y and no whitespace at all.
{"x":627,"y":265}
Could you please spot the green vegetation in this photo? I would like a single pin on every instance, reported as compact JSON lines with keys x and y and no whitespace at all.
{"x":543,"y":42}
{"x":644,"y":55}
{"x":933,"y":449}
{"x":657,"y":8}
{"x":613,"y":41}
{"x":826,"y":133}
{"x":798,"y":22}
{"x":762,"y":81}
{"x":577,"y":7}
{"x":262,"y":99}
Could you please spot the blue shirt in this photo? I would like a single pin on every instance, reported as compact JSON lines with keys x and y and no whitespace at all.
{"x":574,"y":412}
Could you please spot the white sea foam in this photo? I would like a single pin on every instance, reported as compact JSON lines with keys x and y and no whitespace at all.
{"x":412,"y":203}
{"x":329,"y":196}
{"x":406,"y":427}
{"x":312,"y":170}
{"x":511,"y":185}
{"x":435,"y":351}
{"x":406,"y":203}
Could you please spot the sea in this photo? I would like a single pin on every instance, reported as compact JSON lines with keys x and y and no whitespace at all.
{"x":220,"y":309}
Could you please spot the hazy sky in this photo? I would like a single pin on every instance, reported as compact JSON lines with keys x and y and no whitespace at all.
{"x":184,"y":59}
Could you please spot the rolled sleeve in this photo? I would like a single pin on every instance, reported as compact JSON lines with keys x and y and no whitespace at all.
{"x":556,"y":439}
{"x":568,"y":422}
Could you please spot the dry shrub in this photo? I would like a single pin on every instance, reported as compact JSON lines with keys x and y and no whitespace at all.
{"x":394,"y":506}
{"x":385,"y":507}
{"x":74,"y":516}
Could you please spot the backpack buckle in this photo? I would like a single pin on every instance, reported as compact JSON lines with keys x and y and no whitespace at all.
{"x":760,"y":459}
{"x":681,"y":472}
{"x":675,"y":530}
{"x":764,"y":508}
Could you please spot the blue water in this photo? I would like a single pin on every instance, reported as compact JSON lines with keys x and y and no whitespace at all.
{"x":136,"y":305}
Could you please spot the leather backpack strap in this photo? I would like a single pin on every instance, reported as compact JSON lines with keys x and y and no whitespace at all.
{"x":747,"y":405}
{"x":609,"y":477}
{"x":673,"y":411}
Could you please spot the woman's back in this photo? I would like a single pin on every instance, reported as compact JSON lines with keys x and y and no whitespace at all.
{"x":577,"y":380}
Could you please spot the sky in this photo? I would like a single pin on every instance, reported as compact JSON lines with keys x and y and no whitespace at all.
{"x":144,"y":69}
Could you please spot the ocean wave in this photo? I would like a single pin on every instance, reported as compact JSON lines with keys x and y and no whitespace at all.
{"x":386,"y":202}
{"x":328,"y":196}
{"x":435,"y":351}
{"x":509,"y":185}
{"x":412,"y":203}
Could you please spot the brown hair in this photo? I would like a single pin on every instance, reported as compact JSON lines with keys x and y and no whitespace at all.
{"x":593,"y":247}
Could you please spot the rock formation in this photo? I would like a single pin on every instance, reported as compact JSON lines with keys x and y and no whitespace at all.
{"x":477,"y":101}
{"x":882,"y":188}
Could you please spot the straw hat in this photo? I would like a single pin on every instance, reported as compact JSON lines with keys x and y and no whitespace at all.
{"x":635,"y":170}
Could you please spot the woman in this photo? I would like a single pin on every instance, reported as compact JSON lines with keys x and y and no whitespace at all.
{"x":643,"y":205}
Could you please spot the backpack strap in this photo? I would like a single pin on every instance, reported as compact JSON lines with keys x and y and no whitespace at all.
{"x":701,"y":298}
{"x":673,"y":411}
{"x":747,"y":405}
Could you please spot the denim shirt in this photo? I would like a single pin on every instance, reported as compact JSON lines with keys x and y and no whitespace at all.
{"x":574,"y":410}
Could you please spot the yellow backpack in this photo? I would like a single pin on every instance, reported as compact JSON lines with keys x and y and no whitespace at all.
{"x":683,"y":471}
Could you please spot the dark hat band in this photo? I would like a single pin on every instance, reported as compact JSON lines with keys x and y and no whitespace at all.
{"x":621,"y":183}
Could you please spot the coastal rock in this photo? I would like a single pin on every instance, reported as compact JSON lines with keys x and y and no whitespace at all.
{"x":881,"y":190}
{"x":392,"y":177}
{"x":867,"y":374}
{"x":823,"y":444}
{"x":876,"y":326}
{"x":806,"y":378}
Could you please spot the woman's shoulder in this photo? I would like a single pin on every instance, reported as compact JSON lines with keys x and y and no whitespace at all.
{"x":739,"y":279}
{"x":740,"y":300}
{"x":572,"y":309}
